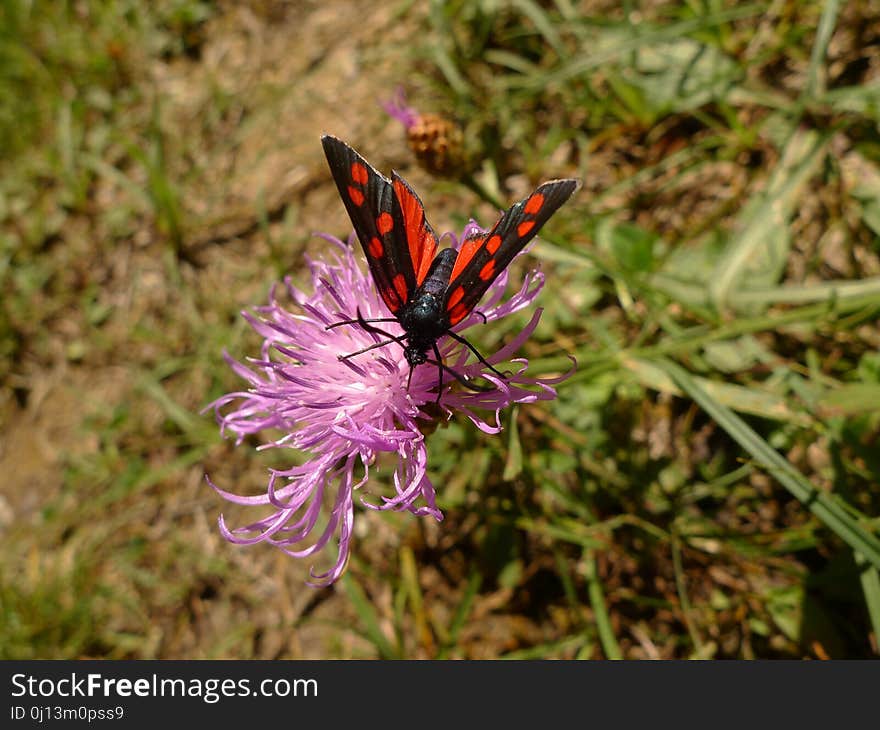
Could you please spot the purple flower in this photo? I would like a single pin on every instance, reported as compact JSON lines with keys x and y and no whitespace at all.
{"x":398,"y":108}
{"x":345,"y":413}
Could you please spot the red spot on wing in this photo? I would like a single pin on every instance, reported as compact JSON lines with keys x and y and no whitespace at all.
{"x":357,"y":197}
{"x":457,"y":313}
{"x":390,"y":298}
{"x":523,"y":228}
{"x":359,"y":173}
{"x":488,"y":271}
{"x":493,"y":243}
{"x":455,"y":297}
{"x":384,"y":223}
{"x":376,"y":249}
{"x":465,"y":254}
{"x":400,"y":285}
{"x":534,"y":204}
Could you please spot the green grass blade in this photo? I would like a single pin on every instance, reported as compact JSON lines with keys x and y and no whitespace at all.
{"x":410,"y":577}
{"x":566,"y":530}
{"x":870,"y":578}
{"x":513,"y":466}
{"x":543,"y":23}
{"x":369,"y":618}
{"x":462,"y":613}
{"x":815,"y":85}
{"x":737,"y":397}
{"x":695,"y":294}
{"x":590,"y":59}
{"x":600,"y":609}
{"x":825,"y":507}
{"x":692,"y":339}
{"x":684,"y":601}
{"x":549,"y":650}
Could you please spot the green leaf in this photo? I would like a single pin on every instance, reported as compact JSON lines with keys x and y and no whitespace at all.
{"x":756,"y":255}
{"x":682,"y":74}
{"x":733,"y":356}
{"x":862,"y":99}
{"x":785,"y":606}
{"x":632,"y":246}
{"x":851,"y":398}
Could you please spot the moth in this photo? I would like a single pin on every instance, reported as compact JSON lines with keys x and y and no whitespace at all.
{"x":428,"y":292}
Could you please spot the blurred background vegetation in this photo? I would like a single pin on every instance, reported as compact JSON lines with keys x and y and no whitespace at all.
{"x":706,"y":485}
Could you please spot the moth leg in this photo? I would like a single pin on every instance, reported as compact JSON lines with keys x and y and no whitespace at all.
{"x":439,"y":372}
{"x":461,"y":379}
{"x":463,"y":341}
{"x":369,"y":328}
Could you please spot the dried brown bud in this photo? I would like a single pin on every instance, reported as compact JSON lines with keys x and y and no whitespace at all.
{"x":437,"y":144}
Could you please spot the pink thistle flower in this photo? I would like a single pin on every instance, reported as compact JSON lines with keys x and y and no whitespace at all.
{"x":345,"y":413}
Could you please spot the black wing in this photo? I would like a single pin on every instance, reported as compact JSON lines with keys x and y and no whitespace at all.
{"x":369,"y":197}
{"x":483,"y":257}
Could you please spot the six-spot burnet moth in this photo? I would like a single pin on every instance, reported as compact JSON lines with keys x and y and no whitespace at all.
{"x":428,"y":292}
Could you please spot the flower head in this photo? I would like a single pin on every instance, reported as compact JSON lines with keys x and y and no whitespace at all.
{"x":344,"y":413}
{"x":437,"y":142}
